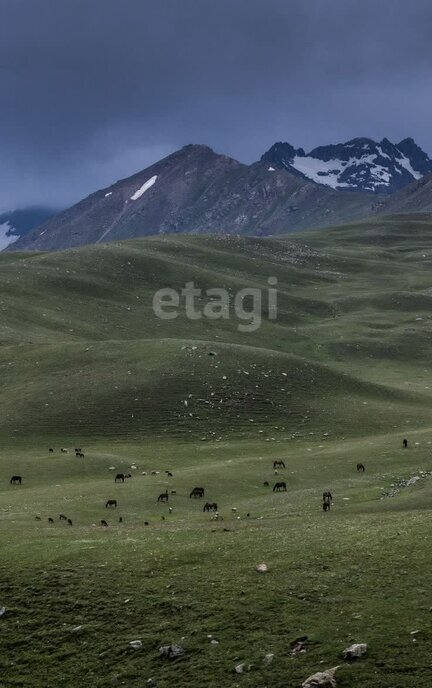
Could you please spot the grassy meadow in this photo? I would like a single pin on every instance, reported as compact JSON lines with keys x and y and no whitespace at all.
{"x":340,"y":377}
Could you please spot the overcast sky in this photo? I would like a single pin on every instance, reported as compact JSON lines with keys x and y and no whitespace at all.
{"x":94,"y":90}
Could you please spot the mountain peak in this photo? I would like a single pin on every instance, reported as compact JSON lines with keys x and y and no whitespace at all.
{"x":196,"y":148}
{"x":360,"y":164}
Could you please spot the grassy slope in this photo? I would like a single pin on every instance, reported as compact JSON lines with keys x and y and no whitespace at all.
{"x":339,"y":378}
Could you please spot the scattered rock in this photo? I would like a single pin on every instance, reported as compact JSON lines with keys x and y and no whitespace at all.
{"x":135,"y":644}
{"x":323,"y":679}
{"x":77,"y":629}
{"x":262,"y":568}
{"x":355,"y":651}
{"x":171,"y":651}
{"x":241,"y":668}
{"x":298,"y":646}
{"x":268,"y":658}
{"x":404,"y":482}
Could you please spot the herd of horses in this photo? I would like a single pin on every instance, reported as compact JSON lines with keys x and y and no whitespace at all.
{"x":196,"y":492}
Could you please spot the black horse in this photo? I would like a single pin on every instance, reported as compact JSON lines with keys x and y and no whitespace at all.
{"x":405,"y":443}
{"x":360,"y":467}
{"x":111,"y":502}
{"x":326,"y":505}
{"x":280,"y":487}
{"x":16,"y":480}
{"x":163,"y":497}
{"x":278,"y":464}
{"x":197,"y":492}
{"x":210,"y":506}
{"x":327,"y":496}
{"x":120,"y":478}
{"x":104,"y":523}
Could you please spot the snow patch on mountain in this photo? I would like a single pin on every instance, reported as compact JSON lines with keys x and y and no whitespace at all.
{"x":358,"y":165}
{"x":149,"y":183}
{"x":7,"y":235}
{"x":320,"y":171}
{"x":407,"y":165}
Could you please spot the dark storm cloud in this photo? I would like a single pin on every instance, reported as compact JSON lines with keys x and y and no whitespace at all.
{"x":93,"y":90}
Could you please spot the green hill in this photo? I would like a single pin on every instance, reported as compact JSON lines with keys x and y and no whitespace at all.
{"x":339,"y":377}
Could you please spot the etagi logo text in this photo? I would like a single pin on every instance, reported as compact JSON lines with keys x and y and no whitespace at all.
{"x":247,"y":304}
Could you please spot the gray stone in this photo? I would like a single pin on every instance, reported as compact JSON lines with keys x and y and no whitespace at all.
{"x":323,"y":679}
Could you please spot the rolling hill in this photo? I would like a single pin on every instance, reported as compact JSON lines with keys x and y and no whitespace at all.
{"x":339,"y":377}
{"x":341,"y":313}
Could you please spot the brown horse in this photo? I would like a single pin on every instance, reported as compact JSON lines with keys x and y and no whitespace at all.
{"x":197,"y":492}
{"x":210,"y":506}
{"x":327,"y":496}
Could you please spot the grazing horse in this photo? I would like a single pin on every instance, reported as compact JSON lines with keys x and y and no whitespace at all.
{"x":326,"y":505}
{"x":80,"y":455}
{"x":266,"y":483}
{"x":405,"y":443}
{"x":360,"y":467}
{"x":163,"y":497}
{"x":169,"y":474}
{"x":111,"y":502}
{"x":69,"y":522}
{"x":37,"y":518}
{"x":210,"y":506}
{"x":16,"y":480}
{"x":197,"y":492}
{"x":280,"y":487}
{"x":278,"y":464}
{"x":120,"y":477}
{"x":121,"y":519}
{"x":62,"y":517}
{"x":327,"y":496}
{"x":51,"y":450}
{"x":50,"y":520}
{"x":104,"y":523}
